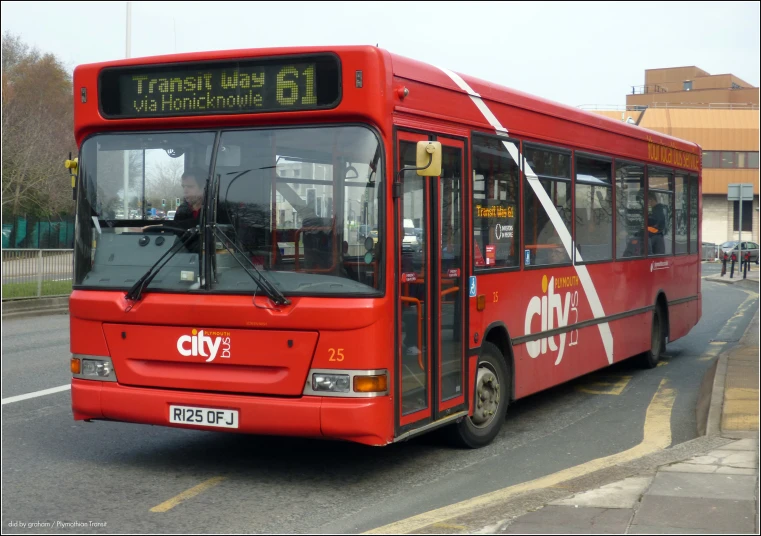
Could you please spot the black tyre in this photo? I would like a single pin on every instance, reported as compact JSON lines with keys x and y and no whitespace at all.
{"x":651,"y":358}
{"x":492,"y":398}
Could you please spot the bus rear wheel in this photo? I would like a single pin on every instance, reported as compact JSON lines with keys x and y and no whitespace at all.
{"x":491,"y":401}
{"x":651,"y":358}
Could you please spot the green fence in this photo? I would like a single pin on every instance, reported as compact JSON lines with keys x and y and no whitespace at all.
{"x":25,"y":232}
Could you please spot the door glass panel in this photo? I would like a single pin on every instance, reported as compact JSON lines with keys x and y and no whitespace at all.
{"x":450,"y":210}
{"x":413,"y":285}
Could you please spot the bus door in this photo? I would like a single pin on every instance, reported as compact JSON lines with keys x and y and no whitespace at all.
{"x":431,"y":286}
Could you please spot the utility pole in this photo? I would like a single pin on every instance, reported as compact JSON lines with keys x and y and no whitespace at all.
{"x":126,"y":153}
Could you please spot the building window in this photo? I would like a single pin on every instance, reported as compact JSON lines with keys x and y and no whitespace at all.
{"x":549,"y":170}
{"x":708,"y":159}
{"x":727,"y":159}
{"x":747,"y":216}
{"x":593,"y":210}
{"x":753,"y":160}
{"x":630,"y":210}
{"x":660,"y":195}
{"x":687,"y":85}
{"x":730,"y":159}
{"x":496,"y":182}
{"x":681,"y":216}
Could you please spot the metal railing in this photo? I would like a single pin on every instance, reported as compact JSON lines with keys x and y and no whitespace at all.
{"x":33,"y":273}
{"x":643,"y":107}
{"x":644,"y":90}
{"x":707,"y":106}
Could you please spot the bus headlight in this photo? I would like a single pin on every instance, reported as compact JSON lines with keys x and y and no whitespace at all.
{"x":89,"y":367}
{"x":347,"y":383}
{"x":332,"y":383}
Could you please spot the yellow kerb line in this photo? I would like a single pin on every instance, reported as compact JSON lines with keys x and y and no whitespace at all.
{"x":657,"y":436}
{"x":192,"y":492}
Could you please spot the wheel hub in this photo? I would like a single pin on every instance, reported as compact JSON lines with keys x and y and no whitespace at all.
{"x":487,"y":397}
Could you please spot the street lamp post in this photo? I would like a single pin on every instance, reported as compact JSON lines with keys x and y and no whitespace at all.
{"x":126,"y":153}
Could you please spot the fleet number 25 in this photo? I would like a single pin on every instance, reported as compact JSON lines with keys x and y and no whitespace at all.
{"x":336,"y":354}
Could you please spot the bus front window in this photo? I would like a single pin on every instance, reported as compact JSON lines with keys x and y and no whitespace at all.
{"x":302,"y":205}
{"x":128,"y":185}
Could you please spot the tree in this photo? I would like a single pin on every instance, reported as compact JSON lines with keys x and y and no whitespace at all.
{"x":37,"y":110}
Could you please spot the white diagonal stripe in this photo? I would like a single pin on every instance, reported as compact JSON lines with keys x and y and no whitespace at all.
{"x":565,"y":236}
{"x":477,"y":100}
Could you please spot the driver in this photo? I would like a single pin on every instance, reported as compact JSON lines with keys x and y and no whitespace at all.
{"x":192,"y":191}
{"x":189,"y":211}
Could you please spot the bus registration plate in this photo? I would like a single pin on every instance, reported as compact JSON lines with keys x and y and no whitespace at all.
{"x":221,"y":418}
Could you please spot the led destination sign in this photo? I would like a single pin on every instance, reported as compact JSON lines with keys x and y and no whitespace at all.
{"x":220,"y":88}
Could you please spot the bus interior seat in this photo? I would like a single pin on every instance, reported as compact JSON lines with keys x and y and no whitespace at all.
{"x":317,"y":237}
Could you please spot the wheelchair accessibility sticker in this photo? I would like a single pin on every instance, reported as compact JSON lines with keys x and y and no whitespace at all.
{"x":472,"y":286}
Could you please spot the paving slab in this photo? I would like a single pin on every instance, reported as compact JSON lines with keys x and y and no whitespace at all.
{"x":622,"y":494}
{"x":649,"y":529}
{"x":690,"y":468}
{"x":717,"y":486}
{"x":711,"y":514}
{"x":567,"y":519}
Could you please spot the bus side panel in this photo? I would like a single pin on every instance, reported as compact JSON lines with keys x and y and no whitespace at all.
{"x":631,"y":335}
{"x":681,"y":320}
{"x":537,"y":300}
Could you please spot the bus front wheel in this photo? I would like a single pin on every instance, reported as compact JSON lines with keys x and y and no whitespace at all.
{"x":491,"y":400}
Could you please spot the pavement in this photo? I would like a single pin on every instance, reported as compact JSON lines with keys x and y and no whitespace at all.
{"x":33,"y":307}
{"x":749,"y":277}
{"x":712,"y":487}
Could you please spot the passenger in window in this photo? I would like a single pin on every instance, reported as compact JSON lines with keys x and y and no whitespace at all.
{"x":656,"y":225}
{"x":537,"y":163}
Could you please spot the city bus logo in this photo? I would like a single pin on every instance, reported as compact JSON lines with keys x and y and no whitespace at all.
{"x":553,"y":310}
{"x":199,"y":342}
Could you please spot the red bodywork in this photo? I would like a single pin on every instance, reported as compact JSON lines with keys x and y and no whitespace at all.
{"x":265,"y":384}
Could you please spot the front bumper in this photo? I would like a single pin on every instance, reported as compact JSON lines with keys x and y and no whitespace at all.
{"x":363,"y":420}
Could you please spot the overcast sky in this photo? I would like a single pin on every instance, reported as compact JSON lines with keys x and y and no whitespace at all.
{"x":574,"y":53}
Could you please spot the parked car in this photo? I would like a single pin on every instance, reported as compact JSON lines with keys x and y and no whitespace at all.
{"x":170,"y":214}
{"x":734,"y":246}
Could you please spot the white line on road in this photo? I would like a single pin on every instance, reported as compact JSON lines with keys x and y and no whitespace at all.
{"x":35,"y":394}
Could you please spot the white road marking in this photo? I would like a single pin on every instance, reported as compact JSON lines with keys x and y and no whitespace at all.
{"x":35,"y":394}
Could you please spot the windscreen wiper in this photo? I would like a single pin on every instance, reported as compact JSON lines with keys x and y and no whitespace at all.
{"x":136,"y":292}
{"x":260,"y":279}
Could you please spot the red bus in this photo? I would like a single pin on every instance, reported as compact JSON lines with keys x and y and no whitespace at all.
{"x":363,"y":247}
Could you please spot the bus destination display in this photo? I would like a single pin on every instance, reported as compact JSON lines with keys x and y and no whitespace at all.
{"x":219,"y":88}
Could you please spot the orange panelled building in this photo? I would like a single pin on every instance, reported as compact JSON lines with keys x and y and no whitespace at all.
{"x":721,"y":114}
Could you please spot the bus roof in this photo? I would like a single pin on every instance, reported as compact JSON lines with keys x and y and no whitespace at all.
{"x":422,"y":72}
